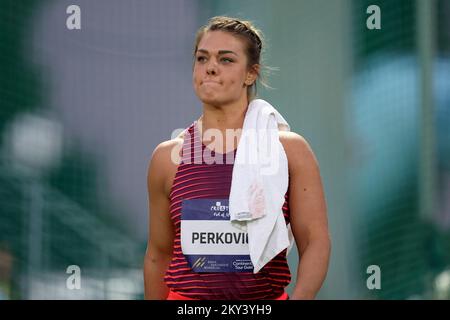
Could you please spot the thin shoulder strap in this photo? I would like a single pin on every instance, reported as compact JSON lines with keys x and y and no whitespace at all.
{"x":188,"y":145}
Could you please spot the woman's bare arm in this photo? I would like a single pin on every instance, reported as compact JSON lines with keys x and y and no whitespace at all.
{"x":161,"y":233}
{"x":309,"y":220}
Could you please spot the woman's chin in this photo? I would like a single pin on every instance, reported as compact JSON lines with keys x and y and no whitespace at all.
{"x":210,"y":99}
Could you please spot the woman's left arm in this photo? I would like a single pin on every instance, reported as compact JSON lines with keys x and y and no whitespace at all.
{"x":308,"y":213}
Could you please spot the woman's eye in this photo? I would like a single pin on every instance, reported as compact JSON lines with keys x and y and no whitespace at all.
{"x":228,"y":60}
{"x":201,"y":59}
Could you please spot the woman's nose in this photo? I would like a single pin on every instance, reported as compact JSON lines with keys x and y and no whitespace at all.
{"x":212,"y":68}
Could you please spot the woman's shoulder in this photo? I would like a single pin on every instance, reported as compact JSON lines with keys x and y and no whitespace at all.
{"x":167,"y":146}
{"x":168,"y":151}
{"x":171,"y":149}
{"x":292,"y":140}
{"x":163,"y":163}
{"x":297,"y":148}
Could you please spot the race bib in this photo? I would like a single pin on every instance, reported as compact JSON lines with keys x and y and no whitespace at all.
{"x":208,"y":240}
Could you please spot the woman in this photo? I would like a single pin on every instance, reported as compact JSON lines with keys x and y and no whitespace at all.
{"x":227,"y":64}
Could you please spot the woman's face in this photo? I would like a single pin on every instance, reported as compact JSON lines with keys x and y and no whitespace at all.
{"x":220,"y":70}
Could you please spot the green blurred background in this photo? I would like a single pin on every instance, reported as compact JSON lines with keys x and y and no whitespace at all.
{"x":82,"y":110}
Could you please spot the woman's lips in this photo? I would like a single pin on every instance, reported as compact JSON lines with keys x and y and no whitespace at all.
{"x":209,"y":82}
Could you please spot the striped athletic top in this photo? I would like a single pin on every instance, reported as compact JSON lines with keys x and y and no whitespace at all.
{"x":197,"y":179}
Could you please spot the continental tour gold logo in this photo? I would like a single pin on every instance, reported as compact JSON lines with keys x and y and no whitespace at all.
{"x":200,"y":262}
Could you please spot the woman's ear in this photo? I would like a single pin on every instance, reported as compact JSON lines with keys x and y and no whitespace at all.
{"x":252,"y":75}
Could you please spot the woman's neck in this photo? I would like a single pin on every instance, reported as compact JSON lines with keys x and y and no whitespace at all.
{"x":221,"y":120}
{"x":230,"y":116}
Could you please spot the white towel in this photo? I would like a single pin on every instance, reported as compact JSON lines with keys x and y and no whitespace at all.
{"x":259,"y":183}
